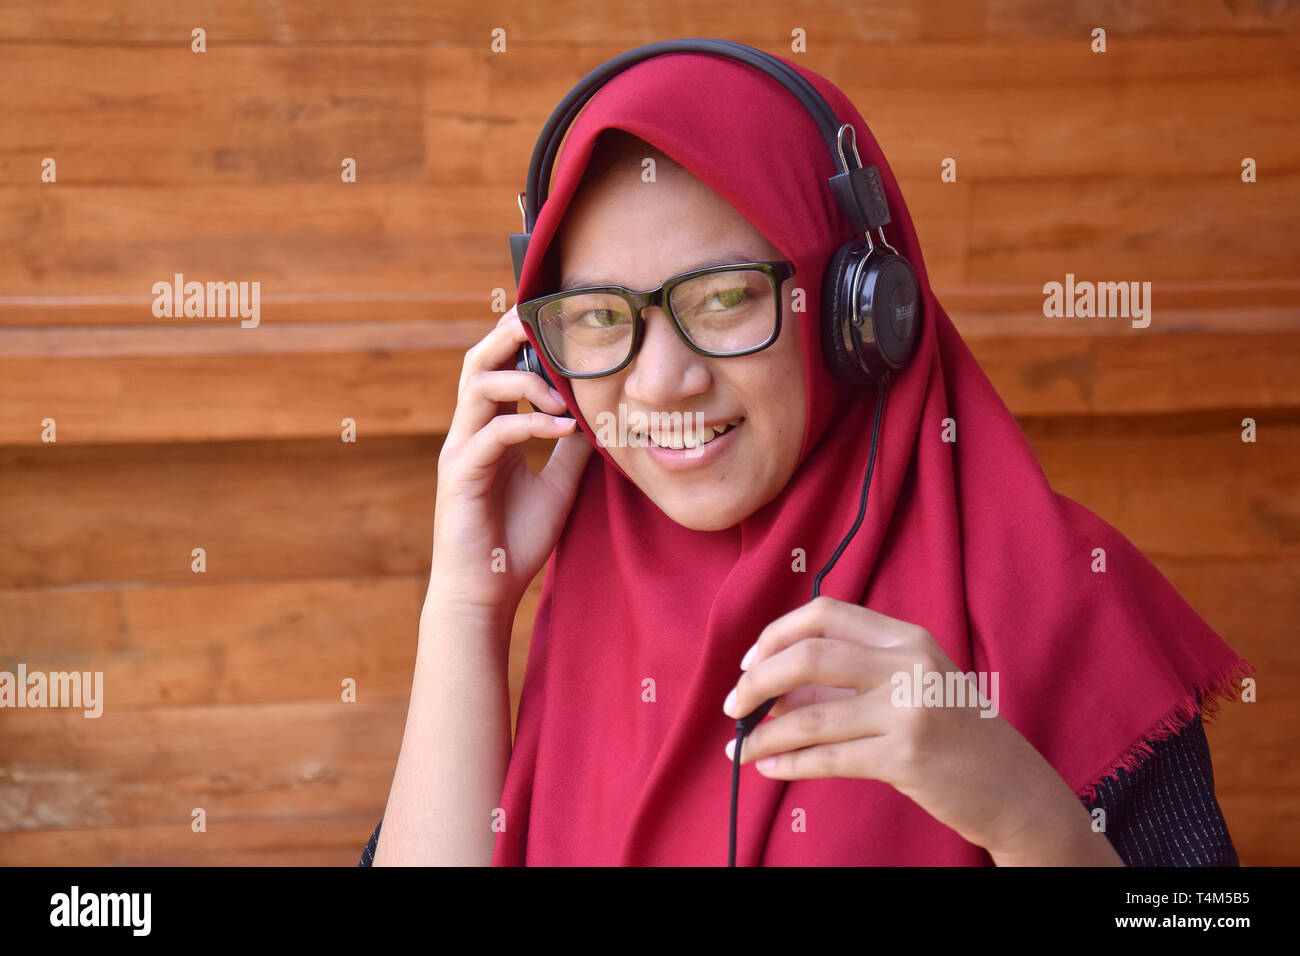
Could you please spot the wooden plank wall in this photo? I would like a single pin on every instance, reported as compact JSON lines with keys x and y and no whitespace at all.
{"x":224,"y":688}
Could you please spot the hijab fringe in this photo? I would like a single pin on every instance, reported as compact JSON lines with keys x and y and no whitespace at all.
{"x":1206,"y":697}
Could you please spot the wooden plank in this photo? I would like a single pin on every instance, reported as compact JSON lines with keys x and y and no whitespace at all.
{"x":460,"y":22}
{"x":1264,"y":828}
{"x":239,"y":624}
{"x":39,"y":785}
{"x":1257,"y":778}
{"x":1021,"y":17}
{"x":262,"y":511}
{"x":1127,"y":230}
{"x":1252,"y":604}
{"x":992,"y":322}
{"x":222,"y":644}
{"x":298,"y":841}
{"x":324,"y":252}
{"x":1175,"y":492}
{"x":302,"y":22}
{"x":272,"y":114}
{"x":296,"y":338}
{"x":234,"y":643}
{"x":285,"y":338}
{"x":297,"y":511}
{"x":1007,"y":110}
{"x":153,"y":766}
{"x":111,"y":115}
{"x":1137,"y":374}
{"x":232,"y":397}
{"x":91,"y":255}
{"x":76,"y":516}
{"x":228,"y":397}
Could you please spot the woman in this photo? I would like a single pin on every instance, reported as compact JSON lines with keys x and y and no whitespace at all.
{"x":678,"y":585}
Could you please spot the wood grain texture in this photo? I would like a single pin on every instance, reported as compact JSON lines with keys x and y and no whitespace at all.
{"x":462,"y":22}
{"x":289,"y":841}
{"x":223,"y":688}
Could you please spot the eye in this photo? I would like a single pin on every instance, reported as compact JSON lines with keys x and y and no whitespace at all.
{"x":729,"y":298}
{"x":604,"y":318}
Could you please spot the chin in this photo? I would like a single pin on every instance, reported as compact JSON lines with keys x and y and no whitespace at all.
{"x":698,"y":515}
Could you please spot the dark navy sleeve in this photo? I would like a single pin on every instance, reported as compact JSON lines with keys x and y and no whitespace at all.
{"x":1165,"y":812}
{"x":368,"y":854}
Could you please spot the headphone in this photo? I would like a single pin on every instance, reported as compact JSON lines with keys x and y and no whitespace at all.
{"x":870,"y":305}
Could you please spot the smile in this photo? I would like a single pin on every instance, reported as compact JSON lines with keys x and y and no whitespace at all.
{"x":679,"y":441}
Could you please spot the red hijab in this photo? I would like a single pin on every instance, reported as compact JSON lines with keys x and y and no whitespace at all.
{"x":966,"y":539}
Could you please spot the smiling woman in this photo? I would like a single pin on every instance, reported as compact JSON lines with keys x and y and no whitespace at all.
{"x":676,"y":597}
{"x":680,"y":225}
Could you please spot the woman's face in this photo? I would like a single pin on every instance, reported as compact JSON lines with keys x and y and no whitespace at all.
{"x":619,"y":230}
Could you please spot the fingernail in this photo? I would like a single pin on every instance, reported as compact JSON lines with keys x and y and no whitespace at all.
{"x":557,"y":396}
{"x":731,"y":750}
{"x":729,"y":703}
{"x":749,"y":657}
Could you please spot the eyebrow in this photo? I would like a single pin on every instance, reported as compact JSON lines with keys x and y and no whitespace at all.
{"x":732,"y":257}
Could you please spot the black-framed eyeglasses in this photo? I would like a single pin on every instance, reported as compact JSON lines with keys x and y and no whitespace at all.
{"x":720,"y":312}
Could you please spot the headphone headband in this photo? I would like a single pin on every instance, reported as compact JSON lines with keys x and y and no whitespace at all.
{"x":858,"y":189}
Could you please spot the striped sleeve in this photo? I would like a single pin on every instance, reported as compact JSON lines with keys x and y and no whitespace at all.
{"x":1165,"y":813}
{"x":368,"y":854}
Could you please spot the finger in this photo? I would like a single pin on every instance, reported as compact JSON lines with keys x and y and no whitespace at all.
{"x":821,"y":722}
{"x":806,"y":694}
{"x":858,"y":759}
{"x":478,"y":458}
{"x":826,"y":617}
{"x":814,"y":660}
{"x":563,"y":471}
{"x":486,"y":392}
{"x":496,"y":350}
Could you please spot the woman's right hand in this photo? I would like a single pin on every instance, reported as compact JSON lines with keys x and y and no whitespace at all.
{"x":487,"y":497}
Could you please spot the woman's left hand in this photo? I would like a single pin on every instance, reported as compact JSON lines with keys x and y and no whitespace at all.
{"x":842,"y":712}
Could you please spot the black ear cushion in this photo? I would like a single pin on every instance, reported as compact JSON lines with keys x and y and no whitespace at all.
{"x":527,"y":360}
{"x":840,"y":356}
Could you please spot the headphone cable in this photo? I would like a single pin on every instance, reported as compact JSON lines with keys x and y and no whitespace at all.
{"x":745,"y":724}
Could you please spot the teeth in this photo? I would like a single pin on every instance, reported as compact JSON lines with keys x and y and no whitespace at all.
{"x":690,"y":440}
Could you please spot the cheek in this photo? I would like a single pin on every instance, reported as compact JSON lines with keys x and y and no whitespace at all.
{"x":592,"y":399}
{"x":775,"y":444}
{"x":791,"y":412}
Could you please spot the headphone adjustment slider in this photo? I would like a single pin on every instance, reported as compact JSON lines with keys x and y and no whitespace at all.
{"x":861,"y":195}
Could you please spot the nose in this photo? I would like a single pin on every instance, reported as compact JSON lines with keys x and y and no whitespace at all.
{"x":665,"y":371}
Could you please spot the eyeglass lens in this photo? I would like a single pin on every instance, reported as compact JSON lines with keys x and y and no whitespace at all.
{"x":720,"y":312}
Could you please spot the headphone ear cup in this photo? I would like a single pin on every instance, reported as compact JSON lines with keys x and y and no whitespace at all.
{"x":894,"y":300}
{"x":887,"y":331}
{"x":839,"y":338}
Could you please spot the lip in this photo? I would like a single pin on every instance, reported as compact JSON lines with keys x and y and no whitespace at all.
{"x":685,"y":459}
